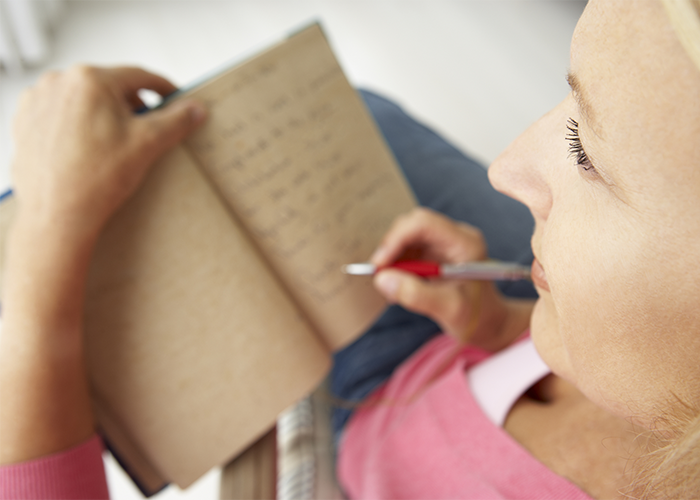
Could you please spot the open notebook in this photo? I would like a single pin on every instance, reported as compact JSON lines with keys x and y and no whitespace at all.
{"x":215,"y":296}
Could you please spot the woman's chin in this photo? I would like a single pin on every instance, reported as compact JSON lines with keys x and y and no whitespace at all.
{"x":545,"y":335}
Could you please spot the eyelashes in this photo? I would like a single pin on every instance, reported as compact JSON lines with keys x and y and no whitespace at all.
{"x":576,"y":150}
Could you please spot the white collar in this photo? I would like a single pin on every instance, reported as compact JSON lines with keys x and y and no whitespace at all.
{"x":498,"y":381}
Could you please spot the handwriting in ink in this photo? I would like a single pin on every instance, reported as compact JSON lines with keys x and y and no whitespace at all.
{"x":289,"y":177}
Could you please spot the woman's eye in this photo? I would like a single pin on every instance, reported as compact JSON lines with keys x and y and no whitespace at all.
{"x":576,"y":150}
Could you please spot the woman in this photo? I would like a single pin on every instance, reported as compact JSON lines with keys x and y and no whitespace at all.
{"x":610,"y":176}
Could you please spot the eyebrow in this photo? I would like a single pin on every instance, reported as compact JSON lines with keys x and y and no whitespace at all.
{"x":580,"y":97}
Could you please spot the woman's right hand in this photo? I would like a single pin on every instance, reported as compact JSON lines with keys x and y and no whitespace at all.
{"x":470,"y":311}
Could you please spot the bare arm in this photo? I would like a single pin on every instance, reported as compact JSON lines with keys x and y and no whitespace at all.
{"x":80,"y":153}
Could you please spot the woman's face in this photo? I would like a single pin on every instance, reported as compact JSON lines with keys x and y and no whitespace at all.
{"x":616,"y":202}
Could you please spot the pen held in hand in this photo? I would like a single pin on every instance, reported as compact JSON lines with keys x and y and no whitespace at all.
{"x":490,"y":270}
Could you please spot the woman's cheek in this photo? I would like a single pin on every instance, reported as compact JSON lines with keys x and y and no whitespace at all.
{"x":567,"y":314}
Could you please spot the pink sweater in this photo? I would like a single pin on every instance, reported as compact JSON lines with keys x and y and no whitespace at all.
{"x":75,"y":473}
{"x":417,"y":442}
{"x":439,"y":444}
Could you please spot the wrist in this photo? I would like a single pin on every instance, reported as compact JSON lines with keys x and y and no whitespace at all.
{"x":52,"y":227}
{"x":42,"y":367}
{"x":44,"y":277}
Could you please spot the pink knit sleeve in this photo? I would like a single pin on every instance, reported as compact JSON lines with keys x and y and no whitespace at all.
{"x":75,"y":473}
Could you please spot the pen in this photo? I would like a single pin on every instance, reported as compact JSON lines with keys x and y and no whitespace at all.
{"x":483,"y":270}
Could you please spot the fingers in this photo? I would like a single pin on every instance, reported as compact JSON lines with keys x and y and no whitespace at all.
{"x":413,"y":292}
{"x":76,"y":120}
{"x":427,"y":235}
{"x":448,"y":303}
{"x":135,"y":102}
{"x":131,"y":80}
{"x":162,"y":129}
{"x":158,"y":130}
{"x":432,"y":234}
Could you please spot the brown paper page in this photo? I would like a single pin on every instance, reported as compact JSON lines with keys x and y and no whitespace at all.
{"x":193,"y":348}
{"x":294,"y":152}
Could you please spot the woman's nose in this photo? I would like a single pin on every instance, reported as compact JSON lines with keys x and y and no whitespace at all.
{"x":524,"y":170}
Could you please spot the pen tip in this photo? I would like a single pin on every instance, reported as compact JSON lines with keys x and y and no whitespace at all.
{"x":362,"y":269}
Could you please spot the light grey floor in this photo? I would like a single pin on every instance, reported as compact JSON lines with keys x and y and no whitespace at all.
{"x":479,"y":71}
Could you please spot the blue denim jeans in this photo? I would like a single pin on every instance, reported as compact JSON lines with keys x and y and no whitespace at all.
{"x":446,"y":180}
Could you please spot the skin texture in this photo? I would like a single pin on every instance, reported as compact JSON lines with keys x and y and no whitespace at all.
{"x":617,"y":237}
{"x":81,"y":152}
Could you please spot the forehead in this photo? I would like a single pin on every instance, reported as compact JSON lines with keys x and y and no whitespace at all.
{"x":643,"y":91}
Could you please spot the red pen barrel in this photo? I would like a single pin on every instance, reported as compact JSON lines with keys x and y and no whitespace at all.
{"x":418,"y":267}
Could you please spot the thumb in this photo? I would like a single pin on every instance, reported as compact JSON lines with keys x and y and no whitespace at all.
{"x":162,"y":129}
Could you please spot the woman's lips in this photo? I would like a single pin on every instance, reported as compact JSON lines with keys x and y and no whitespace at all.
{"x":539,"y":278}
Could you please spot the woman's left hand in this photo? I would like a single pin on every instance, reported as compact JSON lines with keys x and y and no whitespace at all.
{"x":80,"y":153}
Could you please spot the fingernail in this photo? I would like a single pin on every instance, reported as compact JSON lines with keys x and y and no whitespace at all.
{"x":388,"y":284}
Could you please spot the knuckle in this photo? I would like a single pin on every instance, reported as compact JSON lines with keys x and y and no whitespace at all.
{"x":403,"y":218}
{"x":474,"y":233}
{"x":49,"y":78}
{"x":395,"y":228}
{"x":413,"y":220}
{"x":474,"y":237}
{"x":47,"y":83}
{"x":82,"y":72}
{"x":84,"y":79}
{"x":421,"y":214}
{"x":471,"y":230}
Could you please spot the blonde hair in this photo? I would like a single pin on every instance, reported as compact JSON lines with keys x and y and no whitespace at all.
{"x":673,"y":469}
{"x":670,"y":466}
